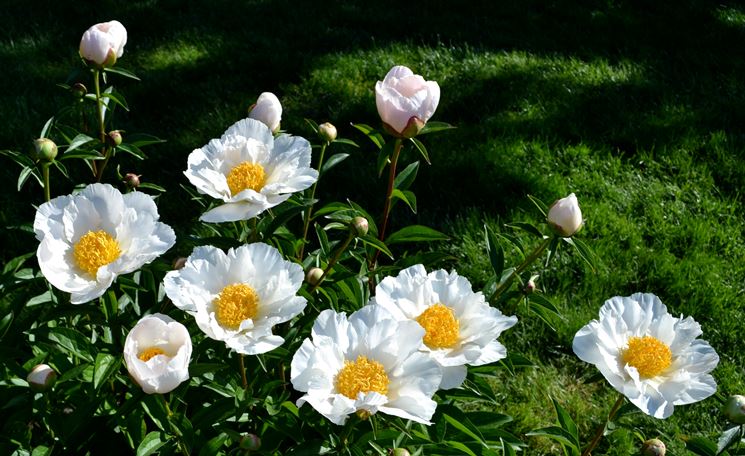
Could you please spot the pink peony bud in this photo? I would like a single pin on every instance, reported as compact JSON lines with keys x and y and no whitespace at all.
{"x":405,"y":101}
{"x":41,"y":378}
{"x":267,"y":110}
{"x":103,"y":43}
{"x":565,"y":217}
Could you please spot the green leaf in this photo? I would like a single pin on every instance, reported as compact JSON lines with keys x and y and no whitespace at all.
{"x":432,"y":127}
{"x":407,"y":197}
{"x":105,"y":366}
{"x":132,"y":150}
{"x":584,"y":252}
{"x":323,"y":240}
{"x":729,"y":437}
{"x":118,"y":98}
{"x":701,"y":446}
{"x":383,"y":157}
{"x":555,"y":433}
{"x":78,"y":141}
{"x":416,"y":233}
{"x":152,"y":186}
{"x":85,"y":154}
{"x":333,"y":161}
{"x":507,"y":449}
{"x":122,"y":72}
{"x":376,"y":243}
{"x":47,"y":128}
{"x":143,"y":139}
{"x":73,"y":342}
{"x":25,"y":174}
{"x":527,"y":227}
{"x":348,"y":142}
{"x":406,"y":177}
{"x":41,"y":450}
{"x":5,"y":323}
{"x":566,"y":422}
{"x":422,"y":150}
{"x":312,"y":124}
{"x":371,"y":133}
{"x":496,"y":253}
{"x":151,"y":443}
{"x":459,"y":446}
{"x":213,"y":445}
{"x":463,"y":428}
{"x":539,"y":204}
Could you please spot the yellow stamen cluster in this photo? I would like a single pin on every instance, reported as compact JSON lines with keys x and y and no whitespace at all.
{"x":362,"y":376}
{"x":95,"y":249}
{"x":442,"y":329}
{"x":234,"y":304}
{"x":648,"y":355}
{"x":246,"y":175}
{"x":149,"y":353}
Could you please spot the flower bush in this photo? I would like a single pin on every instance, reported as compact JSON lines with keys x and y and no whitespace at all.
{"x":343,"y":317}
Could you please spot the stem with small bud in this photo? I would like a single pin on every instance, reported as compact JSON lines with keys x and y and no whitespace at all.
{"x":309,"y":211}
{"x":502,"y":287}
{"x":601,"y":428}
{"x":45,"y":175}
{"x":333,"y":260}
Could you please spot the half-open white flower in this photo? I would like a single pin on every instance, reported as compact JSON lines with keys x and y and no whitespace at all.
{"x":250,"y":170}
{"x":406,"y":101}
{"x":103,"y":43}
{"x":651,"y":357}
{"x":239,"y":296}
{"x":157,"y":352}
{"x":461,"y":328}
{"x":89,"y":238}
{"x":267,"y":110}
{"x":366,"y":364}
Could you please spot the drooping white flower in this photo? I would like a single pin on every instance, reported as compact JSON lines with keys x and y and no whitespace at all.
{"x":267,"y":110}
{"x":406,"y":101}
{"x":461,"y":328}
{"x":367,"y":363}
{"x":239,"y":296}
{"x":104,"y":43}
{"x":157,"y":352}
{"x":565,"y":216}
{"x":651,"y":357}
{"x":89,"y":238}
{"x":250,"y":170}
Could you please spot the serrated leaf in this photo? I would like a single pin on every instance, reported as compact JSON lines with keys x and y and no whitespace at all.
{"x":422,"y":150}
{"x":104,"y":366}
{"x":333,"y":161}
{"x":406,"y":177}
{"x":151,"y":443}
{"x":416,"y":233}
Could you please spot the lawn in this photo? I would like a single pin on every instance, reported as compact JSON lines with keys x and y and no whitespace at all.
{"x":637,"y":107}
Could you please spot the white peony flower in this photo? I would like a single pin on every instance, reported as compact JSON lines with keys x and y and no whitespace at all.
{"x":406,"y":101}
{"x":41,"y":378}
{"x":239,"y":296}
{"x":365,"y":364}
{"x":565,"y":217}
{"x":651,"y":357}
{"x":157,"y":352}
{"x":89,"y":238}
{"x":461,"y":328}
{"x":267,"y":110}
{"x":103,"y":43}
{"x":250,"y":170}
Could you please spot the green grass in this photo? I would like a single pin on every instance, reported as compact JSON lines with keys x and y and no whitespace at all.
{"x":637,"y":107}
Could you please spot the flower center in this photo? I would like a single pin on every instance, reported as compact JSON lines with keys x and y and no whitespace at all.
{"x":236,"y":303}
{"x":246,"y":175}
{"x":440,"y":326}
{"x":151,"y":352}
{"x":361,"y":376}
{"x":648,"y":355}
{"x":95,"y":249}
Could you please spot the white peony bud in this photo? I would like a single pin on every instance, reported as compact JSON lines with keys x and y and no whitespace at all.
{"x":565,"y":217}
{"x":360,"y":225}
{"x":327,"y":131}
{"x":267,"y":110}
{"x":103,"y":43}
{"x":41,"y":378}
{"x":405,"y":101}
{"x":313,"y":276}
{"x":157,"y":352}
{"x":734,"y":409}
{"x":654,"y":447}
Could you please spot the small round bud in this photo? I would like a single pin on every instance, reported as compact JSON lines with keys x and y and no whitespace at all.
{"x":250,"y":442}
{"x":327,"y":131}
{"x":399,"y":452}
{"x":734,"y":409}
{"x":653,"y":447}
{"x":114,"y":138}
{"x":79,"y":90}
{"x":360,"y":225}
{"x":132,"y":180}
{"x":314,"y":276}
{"x":45,"y":149}
{"x":41,"y":378}
{"x":179,"y":263}
{"x":529,"y":287}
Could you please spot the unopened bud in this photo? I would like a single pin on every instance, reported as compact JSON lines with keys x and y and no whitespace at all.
{"x":250,"y":442}
{"x":179,"y":263}
{"x":399,"y":452}
{"x":79,"y":90}
{"x":132,"y":180}
{"x":530,"y":286}
{"x":114,"y":138}
{"x":360,"y":225}
{"x":565,"y":216}
{"x":653,"y":447}
{"x":327,"y":131}
{"x":41,"y":378}
{"x":314,"y":276}
{"x":45,"y":149}
{"x":734,"y":409}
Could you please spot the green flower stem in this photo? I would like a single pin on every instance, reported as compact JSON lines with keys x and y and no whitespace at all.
{"x":527,"y":262}
{"x":101,"y":128}
{"x":309,"y":212}
{"x":601,"y":428}
{"x":333,"y":261}
{"x":244,"y":380}
{"x":45,"y":175}
{"x":181,"y":445}
{"x":389,"y":195}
